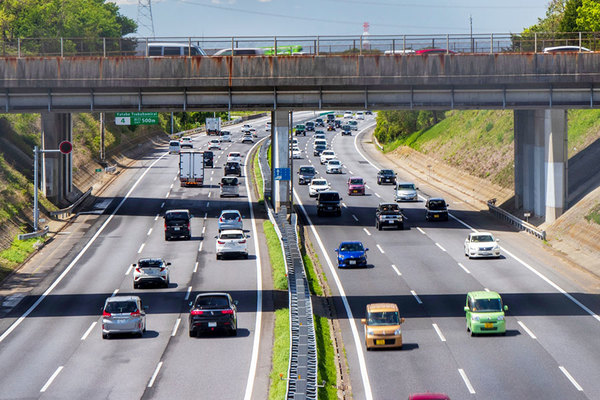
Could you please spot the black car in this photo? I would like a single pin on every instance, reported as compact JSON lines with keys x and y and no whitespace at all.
{"x":436,"y":209}
{"x":177,"y":224}
{"x":319,"y":149}
{"x":319,"y":122}
{"x":389,"y":214}
{"x":337,"y":123}
{"x":310,"y":126}
{"x":368,"y":112}
{"x":346,"y":130}
{"x":329,"y":202}
{"x":208,"y":158}
{"x":212,"y":312}
{"x":305,"y":174}
{"x":233,"y":168}
{"x":386,"y":176}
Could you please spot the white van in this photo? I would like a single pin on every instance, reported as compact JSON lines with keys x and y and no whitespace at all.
{"x":320,"y":142}
{"x":360,"y":115}
{"x":162,"y":49}
{"x":174,"y":147}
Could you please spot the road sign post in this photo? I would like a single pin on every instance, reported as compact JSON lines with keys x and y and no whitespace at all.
{"x":136,"y":118}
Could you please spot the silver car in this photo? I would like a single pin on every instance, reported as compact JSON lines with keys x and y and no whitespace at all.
{"x":123,"y":314}
{"x":230,"y":219}
{"x":406,"y":191}
{"x":151,"y":271}
{"x":230,"y":186}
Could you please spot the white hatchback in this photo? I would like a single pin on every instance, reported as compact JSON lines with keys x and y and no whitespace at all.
{"x":234,"y":156}
{"x":231,"y":242}
{"x":317,"y":185}
{"x":214,"y":144}
{"x":327,"y":155}
{"x":296,"y":152}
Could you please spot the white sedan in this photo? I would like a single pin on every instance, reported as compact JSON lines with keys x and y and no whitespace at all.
{"x":296,"y":152}
{"x":327,"y":155}
{"x":234,"y":156}
{"x":317,"y":185}
{"x":231,"y":242}
{"x":214,"y":144}
{"x":481,"y":244}
{"x":225,"y":137}
{"x":333,"y":167}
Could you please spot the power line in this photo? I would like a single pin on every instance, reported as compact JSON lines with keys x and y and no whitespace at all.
{"x":144,"y":16}
{"x":432,"y":6}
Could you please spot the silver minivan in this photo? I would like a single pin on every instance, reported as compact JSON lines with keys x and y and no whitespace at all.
{"x":165,"y":49}
{"x":123,"y":314}
{"x":229,"y":186}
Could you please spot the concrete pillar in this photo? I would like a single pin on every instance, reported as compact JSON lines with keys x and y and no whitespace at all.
{"x":556,"y":161}
{"x":57,"y":181}
{"x":280,"y":145}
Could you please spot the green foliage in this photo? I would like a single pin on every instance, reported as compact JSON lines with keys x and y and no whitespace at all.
{"x":269,"y":154}
{"x":18,"y":251}
{"x":392,"y":125}
{"x":326,"y":369}
{"x":311,"y":275}
{"x":276,"y":257}
{"x":568,"y":23}
{"x":588,"y":15}
{"x":489,"y":126}
{"x":281,"y":354}
{"x":258,"y":178}
{"x":594,"y":214}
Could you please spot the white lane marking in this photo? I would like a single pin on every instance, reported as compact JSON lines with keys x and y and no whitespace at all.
{"x":203,"y":229}
{"x":52,"y":378}
{"x":377,"y":194}
{"x":162,"y":204}
{"x":368,"y":187}
{"x":156,"y":218}
{"x":115,"y":293}
{"x":416,"y":296}
{"x":200,"y":247}
{"x":396,"y":269}
{"x":149,"y":231}
{"x":357,"y":341}
{"x":440,"y":246}
{"x":354,"y":216}
{"x":439,"y":332}
{"x":207,"y":204}
{"x":129,"y":269}
{"x":259,"y":288}
{"x":174,"y":179}
{"x":209,"y":193}
{"x":486,"y":289}
{"x":526,"y":329}
{"x":86,"y":334}
{"x":212,"y":172}
{"x":171,"y":186}
{"x":570,"y":377}
{"x":380,"y":249}
{"x":167,"y":195}
{"x":205,"y":215}
{"x":344,"y":205}
{"x":141,"y":248}
{"x":367,"y":231}
{"x":211,"y":179}
{"x":176,"y":326}
{"x":196,"y":267}
{"x":465,"y":268}
{"x":351,"y":173}
{"x":421,"y":230}
{"x":155,"y":374}
{"x":466,"y":380}
{"x":187,"y":294}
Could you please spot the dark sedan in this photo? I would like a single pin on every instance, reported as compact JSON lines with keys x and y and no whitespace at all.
{"x":213,"y":312}
{"x":386,"y":176}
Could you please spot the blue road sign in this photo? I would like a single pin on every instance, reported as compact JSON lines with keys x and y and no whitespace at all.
{"x":282,"y":174}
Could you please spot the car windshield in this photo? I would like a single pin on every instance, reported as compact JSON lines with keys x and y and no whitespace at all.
{"x":333,"y":162}
{"x":211,"y":302}
{"x":328,"y":153}
{"x":150,"y":263}
{"x":356,"y":181}
{"x":386,"y":172}
{"x":233,"y":165}
{"x":406,"y":186}
{"x":329,"y":197}
{"x":351,"y":247}
{"x":437,"y":205}
{"x":482,"y":238}
{"x":230,"y":215}
{"x":389,"y":207}
{"x":383,"y":318}
{"x":321,"y":147}
{"x":229,"y":181}
{"x":121,"y":307}
{"x":307,"y":170}
{"x":172,"y":216}
{"x":232,"y":235}
{"x":208,"y":154}
{"x":174,"y":143}
{"x":235,"y":155}
{"x":319,"y":182}
{"x":487,"y":305}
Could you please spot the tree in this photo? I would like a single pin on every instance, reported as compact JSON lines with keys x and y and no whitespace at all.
{"x":568,"y":23}
{"x":588,"y":19}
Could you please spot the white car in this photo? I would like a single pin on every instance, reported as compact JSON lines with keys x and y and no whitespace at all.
{"x":360,"y":115}
{"x":186,"y":139}
{"x":252,"y":131}
{"x":406,"y":191}
{"x":225,"y":137}
{"x":268,"y":126}
{"x":347,"y":114}
{"x":231,"y":242}
{"x":151,"y":271}
{"x":246,"y":128}
{"x":333,"y":167}
{"x":214,"y":144}
{"x":296,"y":152}
{"x":327,"y":155}
{"x":319,"y":136}
{"x":317,"y":185}
{"x":234,"y":156}
{"x":247,"y":138}
{"x":481,"y":244}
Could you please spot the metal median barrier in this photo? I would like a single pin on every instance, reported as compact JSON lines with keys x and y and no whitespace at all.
{"x":519,"y":223}
{"x":302,"y":371}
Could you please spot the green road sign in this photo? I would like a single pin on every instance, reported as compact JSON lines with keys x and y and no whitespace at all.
{"x":136,"y":118}
{"x":98,"y":169}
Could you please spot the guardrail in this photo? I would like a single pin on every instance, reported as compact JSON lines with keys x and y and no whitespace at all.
{"x":519,"y":223}
{"x":39,"y":233}
{"x":299,"y":45}
{"x":69,"y":210}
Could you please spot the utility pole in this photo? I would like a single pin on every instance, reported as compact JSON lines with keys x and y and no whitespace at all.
{"x":144,"y":16}
{"x":471,"y":33}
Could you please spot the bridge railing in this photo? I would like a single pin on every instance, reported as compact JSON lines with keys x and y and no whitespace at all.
{"x":519,"y":223}
{"x":312,"y":45}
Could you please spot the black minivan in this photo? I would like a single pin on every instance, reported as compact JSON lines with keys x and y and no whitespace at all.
{"x":328,"y":202}
{"x":177,"y":224}
{"x":208,"y":158}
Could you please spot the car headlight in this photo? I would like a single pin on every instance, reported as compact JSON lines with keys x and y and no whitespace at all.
{"x":501,"y":318}
{"x":496,"y":248}
{"x":370,"y":332}
{"x":475,"y":318}
{"x":398,"y":332}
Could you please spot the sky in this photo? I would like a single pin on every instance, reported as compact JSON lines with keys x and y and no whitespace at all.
{"x":204,"y":18}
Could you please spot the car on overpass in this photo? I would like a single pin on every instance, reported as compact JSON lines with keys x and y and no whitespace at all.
{"x":484,"y":312}
{"x":566,"y":49}
{"x":428,"y":396}
{"x":212,"y":312}
{"x":481,"y":244}
{"x":382,"y":326}
{"x":351,"y":254}
{"x":433,"y":51}
{"x":151,"y":271}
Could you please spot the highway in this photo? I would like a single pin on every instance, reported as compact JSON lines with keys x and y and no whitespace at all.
{"x":57,"y":350}
{"x":550,"y":349}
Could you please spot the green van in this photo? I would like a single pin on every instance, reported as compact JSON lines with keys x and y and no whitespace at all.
{"x":485,"y":313}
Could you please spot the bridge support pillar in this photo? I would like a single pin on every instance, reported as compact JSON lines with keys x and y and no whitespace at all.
{"x":280,"y":156}
{"x":541,"y":162}
{"x":57,"y":177}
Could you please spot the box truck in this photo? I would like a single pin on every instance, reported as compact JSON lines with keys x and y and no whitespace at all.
{"x":213,"y":126}
{"x":191,"y":168}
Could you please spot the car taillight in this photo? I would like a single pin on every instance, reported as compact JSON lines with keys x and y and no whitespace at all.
{"x":239,"y":219}
{"x":136,"y":313}
{"x":165,"y":226}
{"x":220,"y":219}
{"x":197,"y":312}
{"x":227,"y":312}
{"x":220,"y":242}
{"x":138,"y":269}
{"x":188,"y":226}
{"x":162,"y":269}
{"x":242,"y":241}
{"x":105,"y":313}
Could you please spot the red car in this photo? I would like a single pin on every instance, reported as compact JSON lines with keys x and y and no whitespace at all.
{"x":428,"y":396}
{"x":356,"y":185}
{"x":434,"y":51}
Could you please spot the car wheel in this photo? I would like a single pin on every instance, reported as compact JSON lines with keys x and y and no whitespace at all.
{"x":136,"y":286}
{"x":166,"y":284}
{"x":378,"y":227}
{"x":233,"y":332}
{"x":339,"y":214}
{"x":140,"y":334}
{"x":246,"y":256}
{"x":401,"y":227}
{"x":167,"y":238}
{"x":192,"y":333}
{"x":218,"y":257}
{"x":105,"y":336}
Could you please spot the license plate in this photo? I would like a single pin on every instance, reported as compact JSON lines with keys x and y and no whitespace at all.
{"x":355,"y":191}
{"x":330,"y":208}
{"x":435,"y":216}
{"x":390,"y":222}
{"x":176,"y":228}
{"x":379,"y":342}
{"x":352,"y":262}
{"x":212,"y":324}
{"x":488,"y":325}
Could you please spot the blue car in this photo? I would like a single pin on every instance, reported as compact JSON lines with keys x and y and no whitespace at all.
{"x":350,"y":254}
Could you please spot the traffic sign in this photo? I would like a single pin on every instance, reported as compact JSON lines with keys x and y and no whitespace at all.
{"x":65,"y":147}
{"x":282,"y":174}
{"x":136,"y":118}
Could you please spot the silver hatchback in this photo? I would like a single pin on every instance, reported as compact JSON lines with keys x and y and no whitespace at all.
{"x":229,"y":186}
{"x":123,"y":314}
{"x":230,"y":219}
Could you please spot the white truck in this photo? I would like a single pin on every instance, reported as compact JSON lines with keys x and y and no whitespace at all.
{"x":191,"y":168}
{"x":213,"y":126}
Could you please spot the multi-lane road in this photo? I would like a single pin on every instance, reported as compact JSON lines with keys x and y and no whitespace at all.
{"x":551,"y":349}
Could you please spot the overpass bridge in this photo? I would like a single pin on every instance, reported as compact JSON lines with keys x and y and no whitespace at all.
{"x":539,"y":87}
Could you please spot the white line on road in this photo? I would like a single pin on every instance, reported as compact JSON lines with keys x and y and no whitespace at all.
{"x":212,"y":172}
{"x":416,"y":296}
{"x":115,"y":293}
{"x":396,"y":269}
{"x":368,"y":187}
{"x":167,"y":195}
{"x":207,"y":204}
{"x":129,"y":269}
{"x":467,"y":381}
{"x":196,"y":266}
{"x":344,"y":205}
{"x":377,"y":194}
{"x":351,"y":173}
{"x":176,"y":326}
{"x":486,"y":289}
{"x":569,"y":377}
{"x":211,"y":178}
{"x":174,"y":178}
{"x":52,"y":378}
{"x":209,"y":193}
{"x":155,"y":374}
{"x":464,"y":268}
{"x":149,"y":231}
{"x":200,"y":247}
{"x":141,"y":248}
{"x":421,"y":230}
{"x":354,"y":216}
{"x":156,"y":218}
{"x":171,"y":186}
{"x":367,"y":231}
{"x":526,"y":329}
{"x":205,"y":215}
{"x":380,"y":249}
{"x":440,"y":246}
{"x":439,"y":332}
{"x":203,"y":229}
{"x":187,"y":294}
{"x":86,"y":334}
{"x":162,"y":204}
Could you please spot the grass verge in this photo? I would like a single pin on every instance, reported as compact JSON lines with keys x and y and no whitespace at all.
{"x":276,"y":257}
{"x":18,"y":252}
{"x":326,"y":359}
{"x":281,"y":354}
{"x":594,"y":214}
{"x":258,"y":178}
